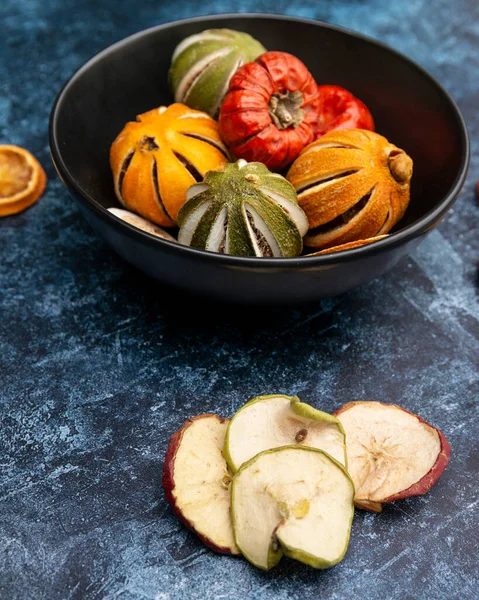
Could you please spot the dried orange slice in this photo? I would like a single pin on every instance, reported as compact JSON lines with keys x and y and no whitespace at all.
{"x":22,"y":180}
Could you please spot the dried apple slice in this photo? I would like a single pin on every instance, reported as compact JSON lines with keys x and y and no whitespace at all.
{"x":197,"y":482}
{"x":293,"y":500}
{"x":272,"y":421}
{"x":141,"y":223}
{"x":392,"y":453}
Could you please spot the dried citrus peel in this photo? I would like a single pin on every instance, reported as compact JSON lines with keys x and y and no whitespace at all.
{"x":22,"y":180}
{"x":349,"y":245}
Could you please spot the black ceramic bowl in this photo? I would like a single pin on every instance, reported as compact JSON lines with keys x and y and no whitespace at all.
{"x":410,"y":108}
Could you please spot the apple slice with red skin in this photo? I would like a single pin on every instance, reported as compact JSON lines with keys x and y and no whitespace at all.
{"x":392,"y":453}
{"x":196,"y":481}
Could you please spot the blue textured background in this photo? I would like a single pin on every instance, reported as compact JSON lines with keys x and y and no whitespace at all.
{"x":98,"y":366}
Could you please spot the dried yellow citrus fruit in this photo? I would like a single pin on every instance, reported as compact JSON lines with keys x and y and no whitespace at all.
{"x":156,"y":158}
{"x":22,"y":180}
{"x":352,"y":185}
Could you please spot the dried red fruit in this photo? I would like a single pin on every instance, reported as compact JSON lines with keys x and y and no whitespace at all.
{"x":270,"y":110}
{"x":339,"y":109}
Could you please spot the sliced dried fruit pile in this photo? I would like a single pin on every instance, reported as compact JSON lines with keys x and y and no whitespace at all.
{"x":270,"y":110}
{"x":282,"y":478}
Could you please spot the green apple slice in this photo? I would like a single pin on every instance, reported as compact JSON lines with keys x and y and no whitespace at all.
{"x":273,"y":421}
{"x":293,"y":500}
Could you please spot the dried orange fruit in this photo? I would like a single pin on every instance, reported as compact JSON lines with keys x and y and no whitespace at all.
{"x":156,"y":158}
{"x":349,"y":245}
{"x":352,"y":185}
{"x":22,"y":180}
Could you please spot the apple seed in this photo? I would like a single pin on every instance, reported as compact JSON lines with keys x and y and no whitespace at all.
{"x":301,"y":435}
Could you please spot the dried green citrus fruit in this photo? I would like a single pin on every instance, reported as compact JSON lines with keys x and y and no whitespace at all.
{"x":203,"y":64}
{"x":244,"y":210}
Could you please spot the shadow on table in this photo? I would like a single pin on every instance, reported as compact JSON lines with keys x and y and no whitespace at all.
{"x":200,"y":313}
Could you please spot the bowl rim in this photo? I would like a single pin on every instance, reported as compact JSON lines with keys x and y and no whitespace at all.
{"x":408,"y":233}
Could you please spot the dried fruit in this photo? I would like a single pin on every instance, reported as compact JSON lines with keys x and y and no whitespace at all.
{"x":243,"y":210}
{"x":296,"y":500}
{"x":141,"y":223}
{"x":352,"y":185}
{"x":272,"y":421}
{"x":197,"y":482}
{"x":202,"y":66}
{"x":22,"y":180}
{"x":339,"y":109}
{"x":392,"y":453}
{"x":349,"y":245}
{"x":292,"y":500}
{"x":157,"y":158}
{"x":270,"y":111}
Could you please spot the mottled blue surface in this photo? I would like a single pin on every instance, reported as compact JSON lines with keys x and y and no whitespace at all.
{"x":98,"y":366}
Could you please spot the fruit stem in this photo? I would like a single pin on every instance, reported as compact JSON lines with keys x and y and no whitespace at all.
{"x":148,"y":143}
{"x":400,"y":165}
{"x":285,"y":109}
